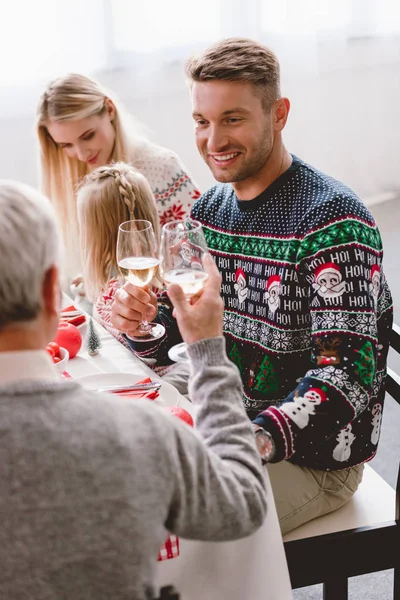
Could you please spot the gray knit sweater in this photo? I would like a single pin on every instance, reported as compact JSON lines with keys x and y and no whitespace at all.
{"x":91,"y":484}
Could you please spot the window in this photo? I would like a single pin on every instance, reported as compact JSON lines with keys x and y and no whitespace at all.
{"x":44,"y":38}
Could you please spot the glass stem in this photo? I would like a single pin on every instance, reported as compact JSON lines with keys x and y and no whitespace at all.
{"x":144,"y":325}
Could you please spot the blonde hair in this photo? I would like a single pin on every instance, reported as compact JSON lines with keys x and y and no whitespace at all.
{"x":76,"y":97}
{"x":239,"y":59}
{"x":106,"y":198}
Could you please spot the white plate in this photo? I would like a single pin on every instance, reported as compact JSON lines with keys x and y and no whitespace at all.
{"x":169,"y":396}
{"x":178,"y":353}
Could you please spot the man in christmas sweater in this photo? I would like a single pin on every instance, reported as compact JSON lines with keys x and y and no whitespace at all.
{"x":308,"y":312}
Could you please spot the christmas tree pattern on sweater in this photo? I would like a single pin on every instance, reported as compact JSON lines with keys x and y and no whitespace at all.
{"x":308,"y":312}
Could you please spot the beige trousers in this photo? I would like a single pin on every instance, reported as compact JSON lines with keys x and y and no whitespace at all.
{"x":303,"y":494}
{"x":300,"y":494}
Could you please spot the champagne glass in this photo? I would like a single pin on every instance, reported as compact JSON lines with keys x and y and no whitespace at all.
{"x":137,"y":261}
{"x":182,"y":248}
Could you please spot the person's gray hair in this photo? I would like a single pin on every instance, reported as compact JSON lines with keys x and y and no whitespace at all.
{"x":29,"y":246}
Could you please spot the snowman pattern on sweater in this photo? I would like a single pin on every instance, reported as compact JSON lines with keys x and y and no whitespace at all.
{"x":376,"y":423}
{"x":301,"y":408}
{"x":344,"y":438}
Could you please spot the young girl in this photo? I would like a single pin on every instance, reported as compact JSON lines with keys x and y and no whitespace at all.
{"x":107,"y":197}
{"x":80,"y":128}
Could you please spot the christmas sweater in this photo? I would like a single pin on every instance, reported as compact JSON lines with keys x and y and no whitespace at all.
{"x":173,"y":189}
{"x":308,"y":313}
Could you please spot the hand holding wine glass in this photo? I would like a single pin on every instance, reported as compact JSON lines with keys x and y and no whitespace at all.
{"x":201,"y":318}
{"x":182,"y":249}
{"x":137,"y":261}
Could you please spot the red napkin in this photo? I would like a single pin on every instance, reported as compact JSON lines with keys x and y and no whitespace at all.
{"x":170,"y":549}
{"x":150,"y":394}
{"x":77,"y":320}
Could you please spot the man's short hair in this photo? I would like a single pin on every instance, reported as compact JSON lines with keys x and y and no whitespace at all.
{"x":239,"y":59}
{"x":29,"y":246}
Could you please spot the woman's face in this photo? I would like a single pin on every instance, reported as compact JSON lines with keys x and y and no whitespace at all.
{"x":89,"y":140}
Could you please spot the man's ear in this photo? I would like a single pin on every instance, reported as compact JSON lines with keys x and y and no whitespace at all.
{"x":281,"y":113}
{"x":51,"y":292}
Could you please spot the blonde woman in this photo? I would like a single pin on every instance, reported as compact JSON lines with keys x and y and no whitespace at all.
{"x":106,"y":198}
{"x":82,"y":127}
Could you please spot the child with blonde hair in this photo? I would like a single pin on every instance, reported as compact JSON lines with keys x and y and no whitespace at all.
{"x":107,"y":197}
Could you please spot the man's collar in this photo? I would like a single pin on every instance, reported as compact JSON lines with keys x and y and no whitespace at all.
{"x":27,"y":364}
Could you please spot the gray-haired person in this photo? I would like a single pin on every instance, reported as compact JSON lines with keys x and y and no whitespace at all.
{"x":90,"y":485}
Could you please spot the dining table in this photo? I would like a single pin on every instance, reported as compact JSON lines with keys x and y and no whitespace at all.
{"x":251,"y":568}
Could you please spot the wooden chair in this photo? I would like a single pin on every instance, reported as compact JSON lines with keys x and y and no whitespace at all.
{"x":361,"y":537}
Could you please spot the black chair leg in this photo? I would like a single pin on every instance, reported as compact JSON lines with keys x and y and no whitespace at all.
{"x":396,"y":583}
{"x":168,"y":593}
{"x":336,"y":589}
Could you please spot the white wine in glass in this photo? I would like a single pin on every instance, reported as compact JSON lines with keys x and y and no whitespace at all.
{"x":138,"y":263}
{"x":139,"y":270}
{"x":182,"y":248}
{"x":191,"y":281}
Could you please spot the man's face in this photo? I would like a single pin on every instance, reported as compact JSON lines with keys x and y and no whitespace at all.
{"x":234,"y":134}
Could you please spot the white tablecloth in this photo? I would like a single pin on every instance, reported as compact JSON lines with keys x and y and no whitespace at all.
{"x":253,"y":568}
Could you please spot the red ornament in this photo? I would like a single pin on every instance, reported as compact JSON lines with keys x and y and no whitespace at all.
{"x":69,"y":337}
{"x":182,"y":414}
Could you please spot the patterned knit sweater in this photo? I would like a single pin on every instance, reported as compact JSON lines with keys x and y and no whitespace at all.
{"x":308,"y":313}
{"x":173,"y":189}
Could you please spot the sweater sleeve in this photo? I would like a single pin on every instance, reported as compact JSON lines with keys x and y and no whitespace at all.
{"x":219,"y":489}
{"x":340,"y":266}
{"x":175,"y":199}
{"x":157,"y":350}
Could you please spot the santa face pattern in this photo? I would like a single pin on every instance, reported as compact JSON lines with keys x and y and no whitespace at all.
{"x":375,"y":282}
{"x":241,"y":286}
{"x":273,"y":291}
{"x":296,"y":266}
{"x":328,"y":281}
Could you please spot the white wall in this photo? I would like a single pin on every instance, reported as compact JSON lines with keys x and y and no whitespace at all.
{"x":345,"y":117}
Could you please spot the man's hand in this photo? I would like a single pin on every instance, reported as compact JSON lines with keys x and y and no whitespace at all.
{"x":201,"y":317}
{"x":131,"y":305}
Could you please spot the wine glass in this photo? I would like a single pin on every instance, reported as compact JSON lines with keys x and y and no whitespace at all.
{"x":137,"y":261}
{"x":182,"y":248}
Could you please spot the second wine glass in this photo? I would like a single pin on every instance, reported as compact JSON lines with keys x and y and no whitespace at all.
{"x":182,"y":248}
{"x":138,"y":262}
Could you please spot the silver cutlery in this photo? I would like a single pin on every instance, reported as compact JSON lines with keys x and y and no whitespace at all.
{"x":136,"y":387}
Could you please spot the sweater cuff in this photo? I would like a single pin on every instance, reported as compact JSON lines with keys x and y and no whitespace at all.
{"x":209,"y":352}
{"x":273,"y":421}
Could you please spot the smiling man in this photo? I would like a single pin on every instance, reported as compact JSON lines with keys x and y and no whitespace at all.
{"x":307,"y":251}
{"x":308,"y":312}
